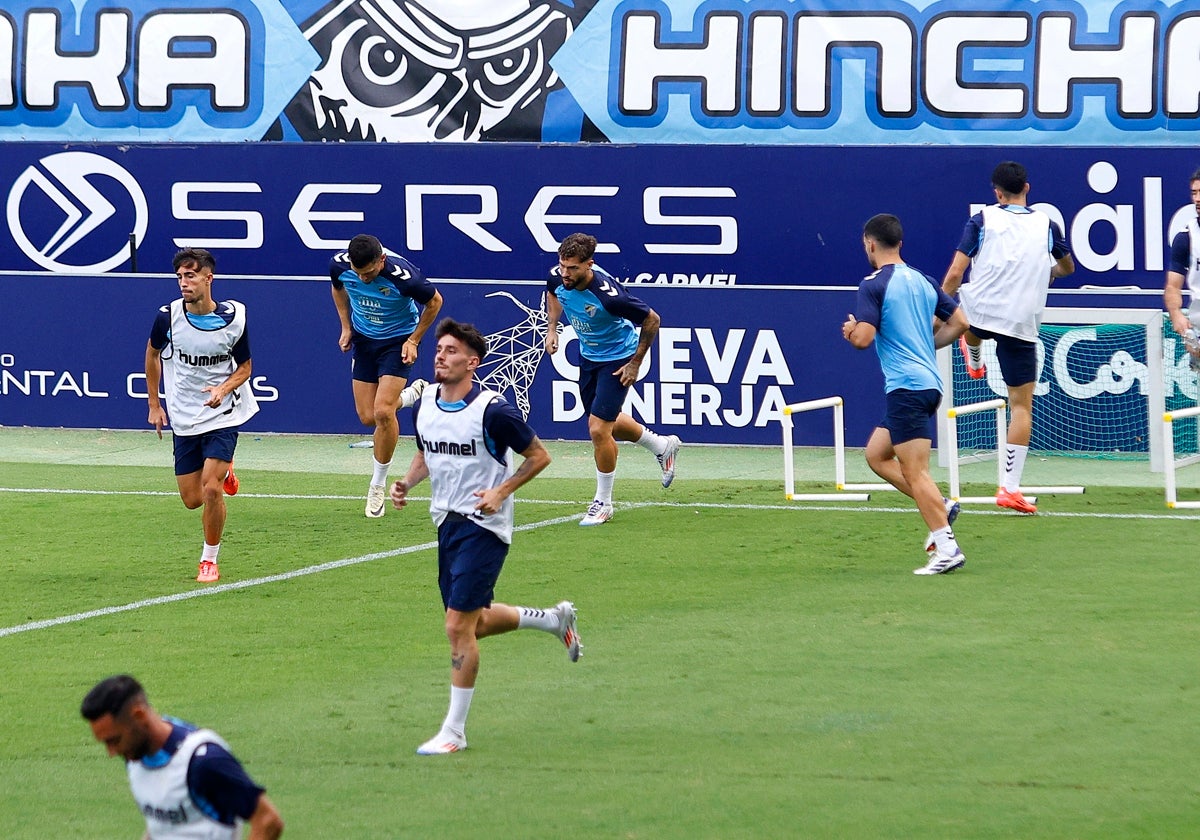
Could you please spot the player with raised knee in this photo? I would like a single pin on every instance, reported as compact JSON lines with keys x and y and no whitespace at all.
{"x":1014,"y":253}
{"x":611,"y":349}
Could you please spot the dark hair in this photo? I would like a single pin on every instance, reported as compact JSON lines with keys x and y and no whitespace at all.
{"x":198,"y":257}
{"x":466,"y":333}
{"x":1195,"y":176}
{"x":577,"y":246}
{"x":111,"y":696}
{"x":1009,"y":176}
{"x":364,"y":249}
{"x":885,"y":229}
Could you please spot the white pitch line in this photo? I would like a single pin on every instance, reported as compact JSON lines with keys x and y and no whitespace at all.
{"x":246,"y":584}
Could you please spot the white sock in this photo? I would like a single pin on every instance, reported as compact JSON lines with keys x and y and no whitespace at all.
{"x":209,"y":555}
{"x":975,"y":352}
{"x":460,"y":704}
{"x":1014,"y":465}
{"x":380,"y":471}
{"x":409,"y":397}
{"x":655,"y":443}
{"x":604,"y":486}
{"x":944,"y":539}
{"x":532,"y":618}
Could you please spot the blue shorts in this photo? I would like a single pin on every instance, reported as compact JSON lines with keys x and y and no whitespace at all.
{"x":191,"y":451}
{"x":376,"y":357}
{"x":910,"y":414}
{"x":1017,"y":357}
{"x":470,"y":558}
{"x":602,"y":393}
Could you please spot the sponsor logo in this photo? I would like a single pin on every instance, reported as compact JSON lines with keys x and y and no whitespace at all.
{"x":76,"y":191}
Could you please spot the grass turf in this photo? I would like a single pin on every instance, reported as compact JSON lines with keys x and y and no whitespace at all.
{"x":755,"y":670}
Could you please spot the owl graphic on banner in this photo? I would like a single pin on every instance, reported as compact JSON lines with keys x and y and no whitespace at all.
{"x":437,"y":70}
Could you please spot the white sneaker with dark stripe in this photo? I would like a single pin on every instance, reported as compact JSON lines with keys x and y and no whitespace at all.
{"x":598,"y":513}
{"x":375,"y":501}
{"x":566,"y":629}
{"x":666,"y":461}
{"x":940,"y":564}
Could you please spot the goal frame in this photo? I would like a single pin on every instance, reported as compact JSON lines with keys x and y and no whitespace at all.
{"x":1149,"y":319}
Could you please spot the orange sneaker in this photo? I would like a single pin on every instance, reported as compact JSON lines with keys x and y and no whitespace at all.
{"x":231,"y":482}
{"x":1013,"y":500}
{"x":973,"y":372}
{"x":209,"y":573}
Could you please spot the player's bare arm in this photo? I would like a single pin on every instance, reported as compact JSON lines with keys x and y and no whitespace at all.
{"x":536,"y":459}
{"x":860,"y":334}
{"x":947,"y":332}
{"x":341,"y":302}
{"x":1173,"y":302}
{"x":265,"y":822}
{"x":157,"y":416}
{"x":217,"y":393}
{"x":418,"y":471}
{"x":553,"y":315}
{"x":1062,"y":267}
{"x":954,"y":274}
{"x":629,"y":371}
{"x":428,"y":316}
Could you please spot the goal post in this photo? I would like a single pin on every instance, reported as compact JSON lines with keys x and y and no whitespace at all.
{"x":1101,"y":389}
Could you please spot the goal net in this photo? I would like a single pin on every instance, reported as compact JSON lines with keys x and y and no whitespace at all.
{"x":1105,"y":377}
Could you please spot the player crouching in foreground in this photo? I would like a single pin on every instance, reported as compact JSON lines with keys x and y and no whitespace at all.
{"x":465,"y":439}
{"x":896,"y":305}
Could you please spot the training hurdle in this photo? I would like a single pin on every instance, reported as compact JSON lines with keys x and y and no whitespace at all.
{"x":1169,"y":462}
{"x":950,"y":435}
{"x":839,"y":455}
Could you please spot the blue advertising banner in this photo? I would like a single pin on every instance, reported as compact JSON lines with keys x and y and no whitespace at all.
{"x":824,"y":72}
{"x":726,"y":360}
{"x":664,"y":215}
{"x":725,"y":363}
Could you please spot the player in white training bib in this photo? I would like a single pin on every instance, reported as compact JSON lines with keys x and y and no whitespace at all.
{"x":184,"y":779}
{"x":466,"y":437}
{"x":199,"y":349}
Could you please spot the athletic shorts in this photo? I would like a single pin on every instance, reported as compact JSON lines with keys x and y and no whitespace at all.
{"x":376,"y":357}
{"x":910,"y":414}
{"x":191,"y":451}
{"x":470,"y":558}
{"x":1017,"y":357}
{"x":602,"y":393}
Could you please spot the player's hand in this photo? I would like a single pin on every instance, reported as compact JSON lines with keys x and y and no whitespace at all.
{"x":552,"y":342}
{"x":1180,"y":323}
{"x":214,"y":401}
{"x":628,"y":372}
{"x":344,"y":341}
{"x":408,"y":353}
{"x":157,"y":419}
{"x":489,"y":500}
{"x":399,"y":494}
{"x":848,"y":326}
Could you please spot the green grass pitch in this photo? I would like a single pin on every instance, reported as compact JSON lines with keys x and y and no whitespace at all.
{"x":751,"y":669}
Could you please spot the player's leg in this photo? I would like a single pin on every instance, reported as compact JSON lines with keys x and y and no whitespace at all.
{"x":217,"y":448}
{"x":913,"y":457}
{"x":469,"y":562}
{"x":664,"y":448}
{"x":881,"y":458}
{"x":970,"y":345}
{"x":1018,"y":364}
{"x":559,"y":621}
{"x":602,"y":396}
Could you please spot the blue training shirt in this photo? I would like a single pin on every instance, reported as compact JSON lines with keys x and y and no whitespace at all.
{"x":604,"y":315}
{"x":387,"y":306}
{"x":901,"y":302}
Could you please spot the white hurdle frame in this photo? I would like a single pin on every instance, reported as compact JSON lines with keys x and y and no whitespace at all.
{"x":839,"y":454}
{"x":1169,"y":462}
{"x":999,"y":405}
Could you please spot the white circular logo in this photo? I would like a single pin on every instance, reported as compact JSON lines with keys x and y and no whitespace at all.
{"x":65,"y":179}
